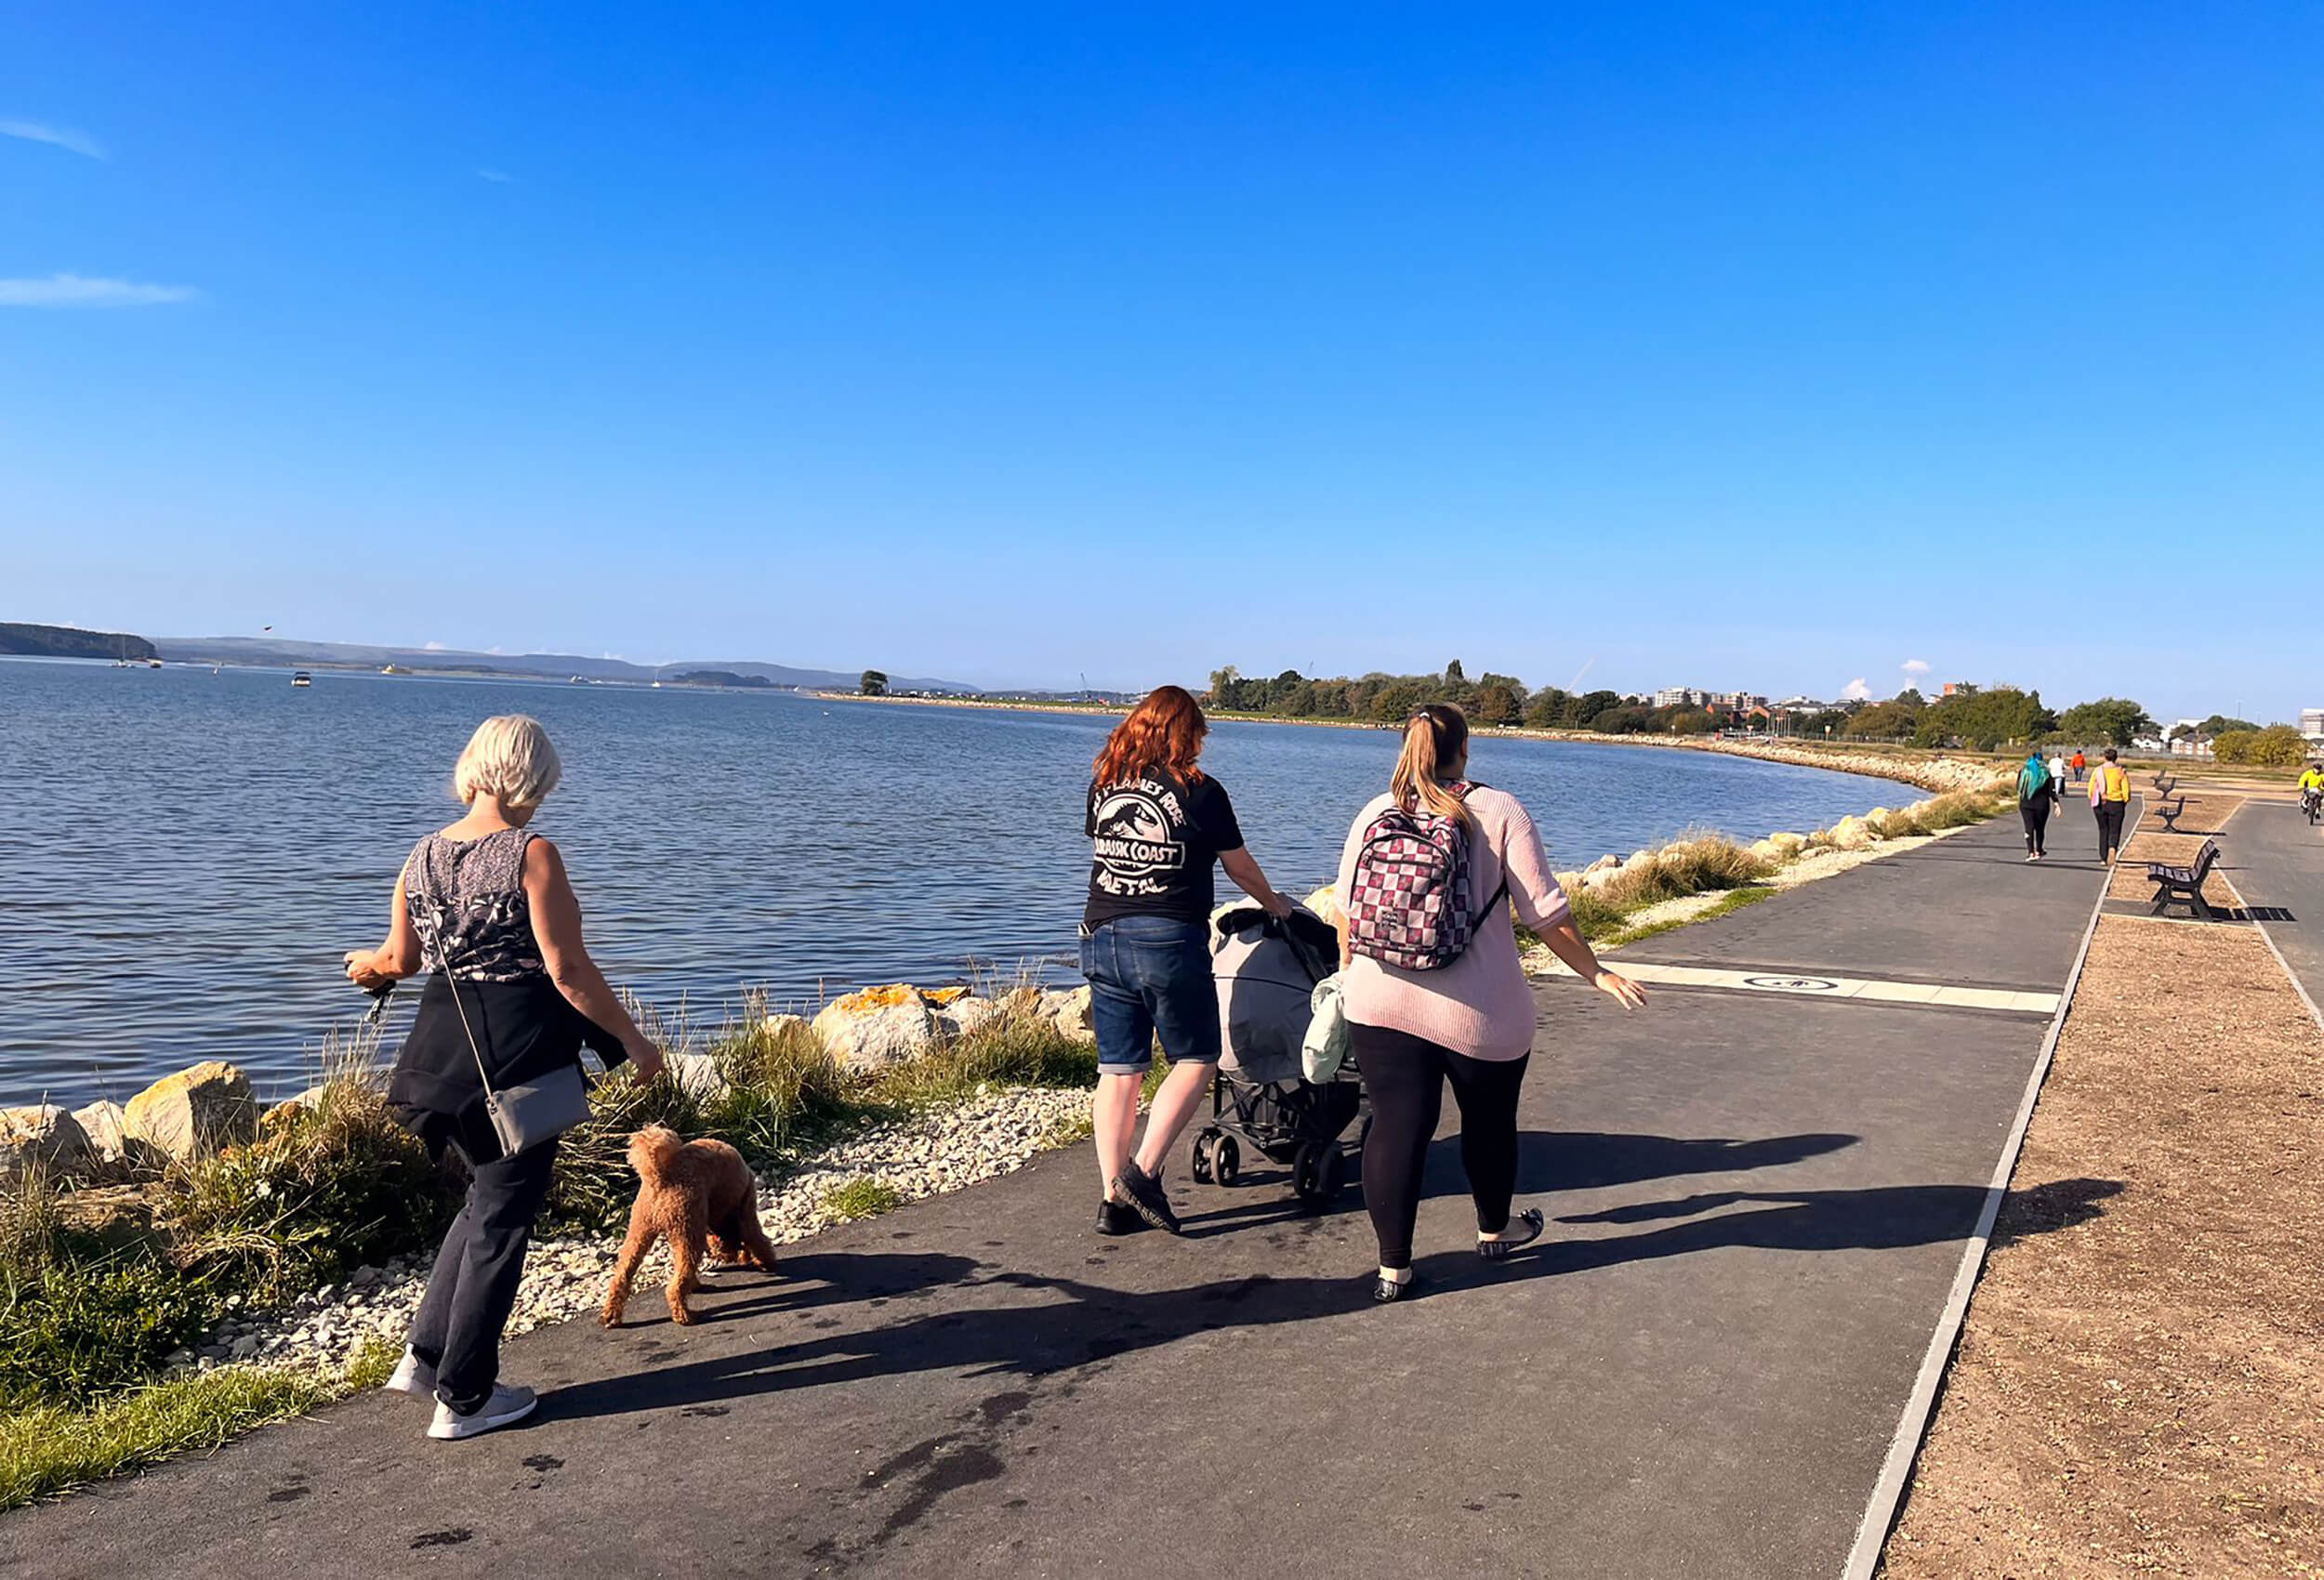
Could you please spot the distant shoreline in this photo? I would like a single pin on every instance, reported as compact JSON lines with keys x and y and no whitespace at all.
{"x":1935,"y":773}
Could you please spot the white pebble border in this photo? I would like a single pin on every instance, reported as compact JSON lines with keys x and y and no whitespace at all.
{"x":994,"y":1132}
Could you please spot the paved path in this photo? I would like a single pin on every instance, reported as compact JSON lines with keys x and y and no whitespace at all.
{"x":1759,"y":1198}
{"x":2276,"y":862}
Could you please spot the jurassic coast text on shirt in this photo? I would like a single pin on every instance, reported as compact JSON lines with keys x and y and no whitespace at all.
{"x":1153,"y":843}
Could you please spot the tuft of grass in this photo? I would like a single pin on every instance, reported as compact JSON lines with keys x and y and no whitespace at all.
{"x":862,"y":1197}
{"x":44,"y":1449}
{"x":1733,"y":899}
{"x":1007,"y":1050}
{"x":1956,"y":808}
{"x":374,"y":1362}
{"x":326,"y":1188}
{"x":1693,"y":863}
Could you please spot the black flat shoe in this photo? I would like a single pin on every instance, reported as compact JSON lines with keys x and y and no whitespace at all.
{"x":1523,"y":1231}
{"x":1118,"y":1218}
{"x":1387,"y":1289}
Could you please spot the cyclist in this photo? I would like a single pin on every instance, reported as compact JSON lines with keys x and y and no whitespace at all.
{"x":2312,"y":791}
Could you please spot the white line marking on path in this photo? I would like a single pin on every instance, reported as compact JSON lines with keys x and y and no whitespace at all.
{"x":1868,"y":990}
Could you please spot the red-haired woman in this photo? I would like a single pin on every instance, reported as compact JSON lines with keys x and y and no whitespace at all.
{"x":1157,"y":824}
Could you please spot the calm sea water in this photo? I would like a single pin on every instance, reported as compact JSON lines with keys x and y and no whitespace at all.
{"x":184,"y":856}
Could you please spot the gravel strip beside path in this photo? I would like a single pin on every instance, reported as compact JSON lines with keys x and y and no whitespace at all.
{"x":2140,"y":1387}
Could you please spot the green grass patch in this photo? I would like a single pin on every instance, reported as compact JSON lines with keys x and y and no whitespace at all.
{"x":46,"y":1449}
{"x":1732,"y":901}
{"x":862,"y":1197}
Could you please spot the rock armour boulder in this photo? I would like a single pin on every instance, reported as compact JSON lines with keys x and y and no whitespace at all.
{"x":196,"y":1113}
{"x":42,"y":1136}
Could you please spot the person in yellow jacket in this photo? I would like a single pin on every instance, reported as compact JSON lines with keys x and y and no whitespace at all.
{"x":2311,"y":788}
{"x":2110,"y":798}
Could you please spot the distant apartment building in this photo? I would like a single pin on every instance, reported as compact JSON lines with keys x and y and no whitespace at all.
{"x":1737,"y":701}
{"x":2312,"y":724}
{"x":1802,"y":705}
{"x":1681,"y":696}
{"x":1959,"y":689}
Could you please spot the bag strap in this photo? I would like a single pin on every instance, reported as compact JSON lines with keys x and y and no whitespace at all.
{"x":1462,"y":789}
{"x":451,"y":978}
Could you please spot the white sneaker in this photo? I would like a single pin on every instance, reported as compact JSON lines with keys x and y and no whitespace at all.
{"x":507,"y":1406}
{"x":411,"y":1375}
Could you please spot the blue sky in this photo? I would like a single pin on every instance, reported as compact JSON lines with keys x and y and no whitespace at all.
{"x":1706,"y":343}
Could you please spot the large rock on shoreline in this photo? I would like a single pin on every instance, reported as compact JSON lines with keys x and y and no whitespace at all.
{"x":108,"y":1131}
{"x":196,"y":1113}
{"x":877,"y":1027}
{"x":41,"y":1136}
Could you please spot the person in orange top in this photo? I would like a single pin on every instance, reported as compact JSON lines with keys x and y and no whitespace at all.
{"x":2080,"y":763}
{"x":2110,"y":798}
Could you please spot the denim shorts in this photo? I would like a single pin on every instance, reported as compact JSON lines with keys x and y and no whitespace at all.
{"x":1150,"y":976}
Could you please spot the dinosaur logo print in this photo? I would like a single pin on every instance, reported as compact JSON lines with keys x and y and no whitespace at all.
{"x":1137,"y":839}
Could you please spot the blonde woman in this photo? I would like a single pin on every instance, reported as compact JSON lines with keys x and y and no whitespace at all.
{"x":488,"y":899}
{"x":1468,"y":1021}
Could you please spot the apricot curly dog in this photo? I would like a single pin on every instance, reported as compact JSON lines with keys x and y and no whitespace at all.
{"x":701,"y":1195}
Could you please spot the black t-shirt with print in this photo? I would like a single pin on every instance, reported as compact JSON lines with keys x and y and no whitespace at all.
{"x":1155,"y":840}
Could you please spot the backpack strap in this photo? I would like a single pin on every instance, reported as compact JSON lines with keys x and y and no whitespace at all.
{"x":1462,"y":789}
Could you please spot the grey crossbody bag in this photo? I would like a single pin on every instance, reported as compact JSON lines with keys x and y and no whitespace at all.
{"x":527,"y":1114}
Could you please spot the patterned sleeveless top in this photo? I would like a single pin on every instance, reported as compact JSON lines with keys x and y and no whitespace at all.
{"x":468,"y":896}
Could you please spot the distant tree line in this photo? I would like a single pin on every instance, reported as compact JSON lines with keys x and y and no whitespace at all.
{"x":1489,"y":699}
{"x":1977,"y":718}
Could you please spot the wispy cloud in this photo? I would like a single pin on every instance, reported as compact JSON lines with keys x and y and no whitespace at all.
{"x":433,"y":647}
{"x":486,"y":173}
{"x":65,"y":138}
{"x":1856,"y":691}
{"x":1916,"y":668}
{"x":74,"y":291}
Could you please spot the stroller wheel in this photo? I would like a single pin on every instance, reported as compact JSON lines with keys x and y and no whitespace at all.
{"x":1202,"y":1156}
{"x":1317,"y":1172}
{"x":1227,"y":1161}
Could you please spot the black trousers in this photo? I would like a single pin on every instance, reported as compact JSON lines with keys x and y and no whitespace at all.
{"x":2036,"y":814}
{"x":473,"y":1287}
{"x":1405,"y":1076}
{"x":2110,"y":827}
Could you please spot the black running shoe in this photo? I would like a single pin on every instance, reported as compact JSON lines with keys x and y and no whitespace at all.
{"x":1118,"y":1218}
{"x":1146,"y":1198}
{"x":1387,"y":1289}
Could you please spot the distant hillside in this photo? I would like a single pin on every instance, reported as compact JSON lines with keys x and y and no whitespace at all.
{"x":67,"y":641}
{"x":532,"y":666}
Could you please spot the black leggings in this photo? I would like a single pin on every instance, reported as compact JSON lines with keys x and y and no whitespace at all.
{"x":2110,"y":826}
{"x":1405,"y":1076}
{"x":2036,"y":815}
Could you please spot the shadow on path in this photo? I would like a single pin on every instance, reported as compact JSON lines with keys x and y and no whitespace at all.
{"x":1071,"y":1326}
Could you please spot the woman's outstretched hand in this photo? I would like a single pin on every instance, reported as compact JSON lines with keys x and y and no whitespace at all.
{"x":646,"y":1060}
{"x":1619,"y":988}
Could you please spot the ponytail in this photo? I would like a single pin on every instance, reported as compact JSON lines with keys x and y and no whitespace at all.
{"x":1433,"y":737}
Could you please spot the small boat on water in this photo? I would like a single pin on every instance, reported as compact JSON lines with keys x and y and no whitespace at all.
{"x":390,"y":669}
{"x":300,"y":677}
{"x":153,"y":664}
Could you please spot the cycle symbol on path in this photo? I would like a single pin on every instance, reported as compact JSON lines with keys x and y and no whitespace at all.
{"x":1792,"y":984}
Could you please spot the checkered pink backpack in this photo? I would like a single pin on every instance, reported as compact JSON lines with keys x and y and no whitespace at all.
{"x":1410,"y":904}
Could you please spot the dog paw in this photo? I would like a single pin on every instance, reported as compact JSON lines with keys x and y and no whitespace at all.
{"x":682,"y":1316}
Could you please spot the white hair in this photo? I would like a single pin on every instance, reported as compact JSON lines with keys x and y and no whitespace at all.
{"x":510,"y":759}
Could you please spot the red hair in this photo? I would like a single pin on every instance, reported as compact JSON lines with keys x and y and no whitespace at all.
{"x":1165,"y":730}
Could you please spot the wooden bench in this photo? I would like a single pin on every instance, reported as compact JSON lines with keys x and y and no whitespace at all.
{"x":2171,"y":812}
{"x":2183,"y":886}
{"x":2165,"y":783}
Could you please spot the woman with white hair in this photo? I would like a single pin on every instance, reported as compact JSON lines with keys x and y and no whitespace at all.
{"x":484,"y":904}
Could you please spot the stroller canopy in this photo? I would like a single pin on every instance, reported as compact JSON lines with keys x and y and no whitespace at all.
{"x":1266,"y":972}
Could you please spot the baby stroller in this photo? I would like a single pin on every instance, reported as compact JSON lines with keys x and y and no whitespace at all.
{"x":1266,"y":972}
